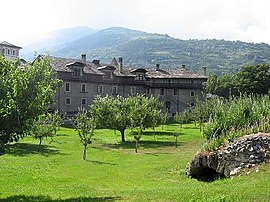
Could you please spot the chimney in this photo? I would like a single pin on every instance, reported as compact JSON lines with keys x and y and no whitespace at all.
{"x":157,"y":67}
{"x":121,"y":64}
{"x":184,"y":66}
{"x":96,"y":62}
{"x":84,"y":58}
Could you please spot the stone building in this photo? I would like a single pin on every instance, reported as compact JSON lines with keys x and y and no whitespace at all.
{"x":178,"y":88}
{"x":10,"y":51}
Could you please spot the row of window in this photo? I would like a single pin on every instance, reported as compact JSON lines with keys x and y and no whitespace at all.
{"x":100,"y":90}
{"x":68,"y":101}
{"x":162,"y":92}
{"x":11,"y":52}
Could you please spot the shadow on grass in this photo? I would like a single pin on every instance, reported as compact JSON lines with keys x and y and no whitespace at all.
{"x":100,"y":162}
{"x":47,"y":198}
{"x":192,"y":127}
{"x":147,"y":144}
{"x":23,"y":149}
{"x":61,"y":135}
{"x":158,"y":133}
{"x":156,"y":153}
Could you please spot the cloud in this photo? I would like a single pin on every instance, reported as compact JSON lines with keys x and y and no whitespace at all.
{"x":246,"y":20}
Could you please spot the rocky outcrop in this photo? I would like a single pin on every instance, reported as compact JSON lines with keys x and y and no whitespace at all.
{"x":245,"y":152}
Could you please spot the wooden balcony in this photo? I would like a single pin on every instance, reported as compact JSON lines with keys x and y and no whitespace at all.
{"x":175,"y":85}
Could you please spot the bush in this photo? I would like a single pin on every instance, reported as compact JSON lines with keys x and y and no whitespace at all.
{"x":236,"y":117}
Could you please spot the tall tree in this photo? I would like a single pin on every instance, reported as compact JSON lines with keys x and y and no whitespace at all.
{"x":223,"y":85}
{"x":254,"y":79}
{"x":25,"y":93}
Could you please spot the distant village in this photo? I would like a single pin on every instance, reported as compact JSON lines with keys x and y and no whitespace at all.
{"x":83,"y":79}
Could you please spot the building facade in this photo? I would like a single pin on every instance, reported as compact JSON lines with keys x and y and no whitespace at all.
{"x":10,"y":51}
{"x":177,"y":88}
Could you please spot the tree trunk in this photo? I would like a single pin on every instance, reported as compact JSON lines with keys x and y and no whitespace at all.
{"x":84,"y":152}
{"x":136,"y":146}
{"x":40,"y":140}
{"x":122,"y":131}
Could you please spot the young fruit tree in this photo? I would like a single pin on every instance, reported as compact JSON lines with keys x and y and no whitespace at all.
{"x":85,"y":125}
{"x":144,"y":113}
{"x":55,"y":120}
{"x":42,"y":128}
{"x":112,"y":113}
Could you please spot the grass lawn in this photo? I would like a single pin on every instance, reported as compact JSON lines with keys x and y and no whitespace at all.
{"x":55,"y":171}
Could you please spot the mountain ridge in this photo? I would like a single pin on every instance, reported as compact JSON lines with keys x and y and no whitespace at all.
{"x":142,"y":49}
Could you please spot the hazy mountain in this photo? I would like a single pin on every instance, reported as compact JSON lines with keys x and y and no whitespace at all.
{"x":145,"y":49}
{"x":52,"y":41}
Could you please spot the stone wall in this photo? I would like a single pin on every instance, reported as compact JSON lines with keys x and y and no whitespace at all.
{"x":245,"y":152}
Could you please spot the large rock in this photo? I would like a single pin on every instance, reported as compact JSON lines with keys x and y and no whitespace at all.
{"x":245,"y":152}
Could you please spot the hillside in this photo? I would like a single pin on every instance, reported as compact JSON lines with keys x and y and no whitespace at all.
{"x":145,"y":49}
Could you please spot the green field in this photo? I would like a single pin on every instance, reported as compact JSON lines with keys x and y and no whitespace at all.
{"x":55,"y":171}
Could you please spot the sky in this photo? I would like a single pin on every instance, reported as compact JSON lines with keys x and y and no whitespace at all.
{"x":244,"y":20}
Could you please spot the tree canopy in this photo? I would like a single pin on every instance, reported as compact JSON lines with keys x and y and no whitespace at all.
{"x":25,"y":93}
{"x":120,"y":113}
{"x":223,"y":85}
{"x":252,"y":79}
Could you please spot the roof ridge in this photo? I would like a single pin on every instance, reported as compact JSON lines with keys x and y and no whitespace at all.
{"x":9,"y":44}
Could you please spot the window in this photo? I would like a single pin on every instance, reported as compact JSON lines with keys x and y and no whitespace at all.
{"x":192,"y":93}
{"x":114,"y":90}
{"x":8,"y":51}
{"x":133,"y":90}
{"x":174,"y":91}
{"x":139,"y":77}
{"x":147,"y":91}
{"x":17,"y":52}
{"x":162,"y":91}
{"x":107,"y":75}
{"x":67,"y":87}
{"x":83,"y":88}
{"x":68,"y":101}
{"x":191,"y":81}
{"x":76,"y":72}
{"x":13,"y":52}
{"x":100,"y":89}
{"x":83,"y":101}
